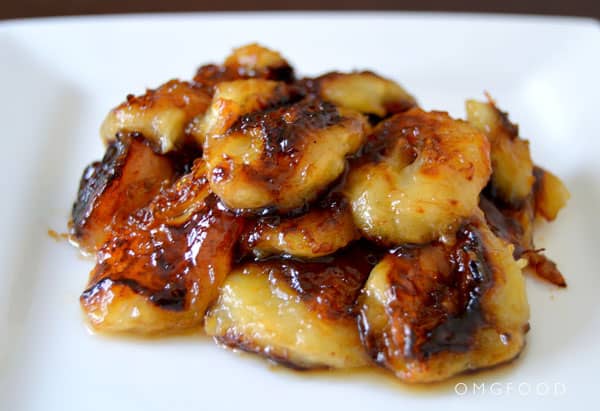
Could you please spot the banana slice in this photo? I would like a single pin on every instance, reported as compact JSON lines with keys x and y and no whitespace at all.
{"x":423,"y":178}
{"x":432,"y":311}
{"x":160,"y":272}
{"x":300,"y":314}
{"x":160,"y":115}
{"x":321,"y":231}
{"x":266,"y":152}
{"x":512,"y":177}
{"x":365,"y":92}
{"x":127,"y":178}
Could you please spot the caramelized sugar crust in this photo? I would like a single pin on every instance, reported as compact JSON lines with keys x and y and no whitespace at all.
{"x":128,"y":177}
{"x":161,"y":269}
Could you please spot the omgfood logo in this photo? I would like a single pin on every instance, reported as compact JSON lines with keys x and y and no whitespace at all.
{"x":540,"y":389}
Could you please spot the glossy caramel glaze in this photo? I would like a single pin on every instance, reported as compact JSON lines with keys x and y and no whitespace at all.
{"x":328,"y":285}
{"x":127,"y":178}
{"x":166,"y":264}
{"x":161,"y":115}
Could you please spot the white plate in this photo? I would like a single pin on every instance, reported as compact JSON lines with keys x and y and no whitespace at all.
{"x":58,"y":78}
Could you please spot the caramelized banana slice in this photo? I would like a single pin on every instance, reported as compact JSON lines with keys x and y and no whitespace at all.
{"x":161,"y":115}
{"x":127,"y":178}
{"x":432,"y":311}
{"x":232,"y":100}
{"x":512,"y":178}
{"x":260,"y":156}
{"x":421,"y":176}
{"x":323,"y":230}
{"x":251,"y":61}
{"x":162,"y":270}
{"x":365,"y":92}
{"x":300,"y":314}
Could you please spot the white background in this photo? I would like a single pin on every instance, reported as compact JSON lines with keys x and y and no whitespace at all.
{"x":58,"y":78}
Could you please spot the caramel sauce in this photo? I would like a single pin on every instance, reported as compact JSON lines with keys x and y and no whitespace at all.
{"x":369,"y":375}
{"x":381,"y":377}
{"x":58,"y":237}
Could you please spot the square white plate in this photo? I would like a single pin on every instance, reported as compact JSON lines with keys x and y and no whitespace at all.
{"x":58,"y":78}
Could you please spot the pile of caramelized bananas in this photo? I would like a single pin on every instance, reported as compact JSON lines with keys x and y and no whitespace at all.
{"x":323,"y":222}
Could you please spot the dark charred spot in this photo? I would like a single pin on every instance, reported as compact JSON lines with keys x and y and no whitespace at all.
{"x":283,"y":72}
{"x":502,"y":225}
{"x":183,"y":159}
{"x":95,"y":179}
{"x":208,"y":76}
{"x":284,"y":127}
{"x":493,"y":193}
{"x":475,"y":277}
{"x":391,"y":135}
{"x":374,"y":119}
{"x":171,"y":297}
{"x":515,"y":226}
{"x":538,"y":175}
{"x":111,"y":189}
{"x":286,"y":130}
{"x":510,"y":128}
